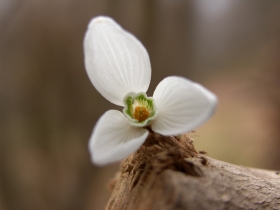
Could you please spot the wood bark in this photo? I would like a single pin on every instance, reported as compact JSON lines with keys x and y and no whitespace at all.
{"x":167,"y":173}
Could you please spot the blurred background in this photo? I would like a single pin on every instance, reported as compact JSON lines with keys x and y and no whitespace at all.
{"x":48,"y":107}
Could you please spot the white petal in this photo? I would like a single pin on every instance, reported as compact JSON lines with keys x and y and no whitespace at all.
{"x":116,"y":62}
{"x":114,"y":139}
{"x":182,"y":106}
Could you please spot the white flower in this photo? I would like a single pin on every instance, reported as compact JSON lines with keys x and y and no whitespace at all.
{"x":118,"y":66}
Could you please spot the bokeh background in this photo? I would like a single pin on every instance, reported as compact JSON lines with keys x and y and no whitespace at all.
{"x":48,"y":106}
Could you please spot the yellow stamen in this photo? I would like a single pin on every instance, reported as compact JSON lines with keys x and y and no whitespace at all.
{"x":141,"y":113}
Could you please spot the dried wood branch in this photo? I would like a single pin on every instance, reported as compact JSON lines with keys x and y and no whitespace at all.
{"x":168,"y":173}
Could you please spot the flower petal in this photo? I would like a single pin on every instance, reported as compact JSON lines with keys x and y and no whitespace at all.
{"x":113,"y":138}
{"x":116,"y":62}
{"x":182,"y":106}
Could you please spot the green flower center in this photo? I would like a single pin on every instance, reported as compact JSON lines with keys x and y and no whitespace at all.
{"x":139,"y":109}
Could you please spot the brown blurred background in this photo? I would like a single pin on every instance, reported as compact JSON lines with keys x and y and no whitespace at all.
{"x":48,"y":106}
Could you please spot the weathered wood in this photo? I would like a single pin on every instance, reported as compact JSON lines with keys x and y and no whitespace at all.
{"x":167,"y":173}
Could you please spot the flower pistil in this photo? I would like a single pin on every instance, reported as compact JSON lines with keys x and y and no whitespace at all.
{"x":141,"y":113}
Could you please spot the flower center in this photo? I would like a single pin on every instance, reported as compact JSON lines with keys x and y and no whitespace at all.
{"x":139,"y":109}
{"x":141,"y":113}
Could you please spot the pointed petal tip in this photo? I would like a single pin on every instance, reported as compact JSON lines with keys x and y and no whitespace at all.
{"x":102,"y":20}
{"x":211,"y":97}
